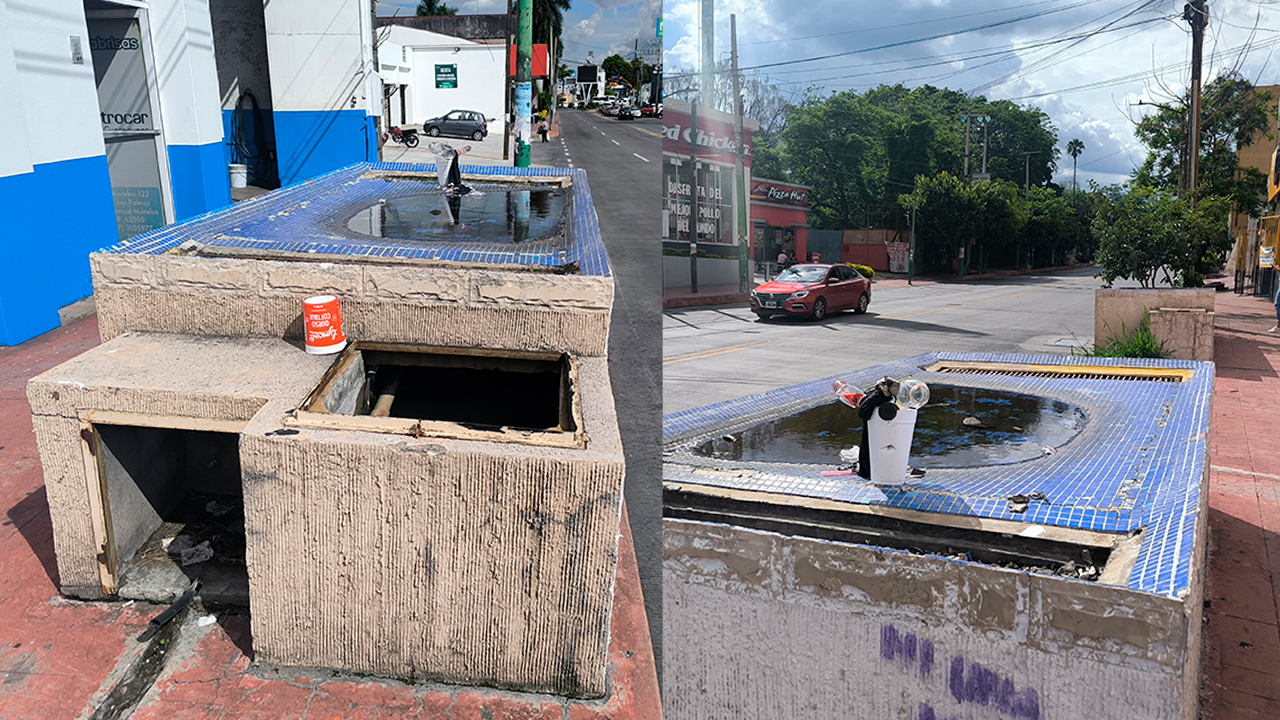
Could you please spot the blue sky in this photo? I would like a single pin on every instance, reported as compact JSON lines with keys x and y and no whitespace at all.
{"x":604,"y":27}
{"x":1153,"y":47}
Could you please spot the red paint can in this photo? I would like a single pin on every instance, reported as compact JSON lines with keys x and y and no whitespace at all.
{"x":322,"y":322}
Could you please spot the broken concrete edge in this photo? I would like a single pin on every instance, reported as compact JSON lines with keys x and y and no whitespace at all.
{"x":855,"y":607}
{"x":389,"y":303}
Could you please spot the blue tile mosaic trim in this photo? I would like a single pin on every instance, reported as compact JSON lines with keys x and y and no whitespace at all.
{"x":1139,"y":462}
{"x":311,"y":217}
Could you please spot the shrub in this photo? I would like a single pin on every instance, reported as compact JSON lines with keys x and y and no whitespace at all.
{"x":1135,"y":343}
{"x":863,"y":270}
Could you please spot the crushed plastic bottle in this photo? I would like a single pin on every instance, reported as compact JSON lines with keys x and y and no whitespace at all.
{"x":913,"y":394}
{"x":849,"y":394}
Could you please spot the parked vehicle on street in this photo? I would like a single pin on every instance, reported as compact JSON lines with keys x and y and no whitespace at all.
{"x":651,"y":111}
{"x":813,"y":290}
{"x":403,"y":136}
{"x":458,"y":123}
{"x":626,"y":112}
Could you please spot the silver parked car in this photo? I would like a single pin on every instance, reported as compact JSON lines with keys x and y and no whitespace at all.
{"x":458,"y":123}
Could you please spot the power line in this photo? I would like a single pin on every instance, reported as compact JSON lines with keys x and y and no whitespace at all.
{"x":938,"y":36}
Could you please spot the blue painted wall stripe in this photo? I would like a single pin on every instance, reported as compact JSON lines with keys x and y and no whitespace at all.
{"x":199,"y":177}
{"x":313,"y":142}
{"x":55,"y":216}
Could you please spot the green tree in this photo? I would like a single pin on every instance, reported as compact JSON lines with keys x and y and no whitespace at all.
{"x":434,"y":7}
{"x":1233,"y":115}
{"x":617,"y":65}
{"x":953,"y":214}
{"x":1148,"y":234}
{"x":548,"y":22}
{"x":1074,"y":148}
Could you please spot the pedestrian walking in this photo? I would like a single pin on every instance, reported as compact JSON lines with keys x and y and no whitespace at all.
{"x":543,"y":128}
{"x":1275,"y":300}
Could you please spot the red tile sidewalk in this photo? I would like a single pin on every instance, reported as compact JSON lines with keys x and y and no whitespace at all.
{"x":1242,"y":649}
{"x":59,"y":658}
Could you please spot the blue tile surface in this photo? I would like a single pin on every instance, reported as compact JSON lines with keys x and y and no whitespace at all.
{"x":1139,"y":462}
{"x":311,"y":217}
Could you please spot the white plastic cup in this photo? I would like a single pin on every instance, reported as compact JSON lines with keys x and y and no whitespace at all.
{"x":239,"y":175}
{"x":889,"y":446}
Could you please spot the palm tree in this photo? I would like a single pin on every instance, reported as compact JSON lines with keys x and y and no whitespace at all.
{"x":548,"y":20}
{"x":435,"y":7}
{"x":1074,"y":148}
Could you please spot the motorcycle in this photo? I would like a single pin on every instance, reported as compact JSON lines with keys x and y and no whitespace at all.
{"x":407,"y":136}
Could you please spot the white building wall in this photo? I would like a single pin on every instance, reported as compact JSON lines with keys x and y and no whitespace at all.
{"x":481,"y":76}
{"x":182,"y":38}
{"x":16,"y":157}
{"x":54,"y":94}
{"x":315,"y":53}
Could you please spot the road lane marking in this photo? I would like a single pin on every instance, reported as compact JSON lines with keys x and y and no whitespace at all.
{"x":641,"y":157}
{"x":615,"y":142}
{"x":704,"y":354}
{"x":603,"y":133}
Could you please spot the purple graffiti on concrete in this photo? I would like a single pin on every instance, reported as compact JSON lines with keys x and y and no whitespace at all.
{"x":927,"y":712}
{"x":914,"y":652}
{"x":973,"y":683}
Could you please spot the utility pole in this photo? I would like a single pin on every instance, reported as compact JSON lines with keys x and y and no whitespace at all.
{"x":967,"y":133}
{"x":709,"y":53}
{"x":693,"y":198}
{"x":985,"y":124}
{"x":524,"y":81}
{"x":740,"y":221}
{"x":1027,"y":156}
{"x":1195,"y":12}
{"x":911,"y":249}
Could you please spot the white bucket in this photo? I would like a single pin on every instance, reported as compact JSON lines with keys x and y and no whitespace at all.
{"x":239,"y":175}
{"x":889,"y":444}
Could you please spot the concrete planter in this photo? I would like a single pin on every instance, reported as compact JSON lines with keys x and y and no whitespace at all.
{"x":1182,"y":318}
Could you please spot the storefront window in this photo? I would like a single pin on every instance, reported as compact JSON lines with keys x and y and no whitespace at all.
{"x":715,"y":201}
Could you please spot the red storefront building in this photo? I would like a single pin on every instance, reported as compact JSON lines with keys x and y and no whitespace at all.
{"x":780,"y":223}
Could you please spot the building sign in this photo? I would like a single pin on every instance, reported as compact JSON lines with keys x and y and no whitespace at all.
{"x":124,"y":100}
{"x":714,"y":188}
{"x":899,"y":257}
{"x":446,"y":77}
{"x":715,"y":138}
{"x":769,"y":191}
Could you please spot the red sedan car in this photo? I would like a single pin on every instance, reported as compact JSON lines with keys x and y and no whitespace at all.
{"x":813,"y":290}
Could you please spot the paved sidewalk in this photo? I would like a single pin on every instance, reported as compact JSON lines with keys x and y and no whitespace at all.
{"x":1242,"y":649}
{"x":60,"y":658}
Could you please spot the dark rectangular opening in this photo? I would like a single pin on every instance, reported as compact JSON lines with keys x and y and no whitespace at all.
{"x":174,"y":497}
{"x":485,"y":390}
{"x":1034,"y":554}
{"x":476,"y":391}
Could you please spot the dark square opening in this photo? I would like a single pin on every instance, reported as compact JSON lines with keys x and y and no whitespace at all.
{"x":170,"y":489}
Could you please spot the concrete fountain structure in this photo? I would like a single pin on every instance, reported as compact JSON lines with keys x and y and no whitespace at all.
{"x":1065,"y":585}
{"x":470,"y":536}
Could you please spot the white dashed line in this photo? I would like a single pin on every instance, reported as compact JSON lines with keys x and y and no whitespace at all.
{"x":641,"y":157}
{"x":615,"y":142}
{"x":602,"y":132}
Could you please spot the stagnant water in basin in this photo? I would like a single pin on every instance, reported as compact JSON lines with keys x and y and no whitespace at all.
{"x":1015,"y":427}
{"x":483,"y":215}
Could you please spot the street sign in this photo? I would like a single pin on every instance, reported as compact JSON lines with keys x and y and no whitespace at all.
{"x":651,"y":51}
{"x":446,"y":77}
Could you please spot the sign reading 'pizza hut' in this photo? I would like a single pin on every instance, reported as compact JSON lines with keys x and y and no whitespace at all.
{"x":779,"y":193}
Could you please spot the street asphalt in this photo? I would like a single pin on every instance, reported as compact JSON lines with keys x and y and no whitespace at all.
{"x":623,"y":165}
{"x":721,"y":353}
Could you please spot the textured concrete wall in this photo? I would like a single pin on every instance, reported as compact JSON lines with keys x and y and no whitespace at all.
{"x":1187,"y":333}
{"x":386,"y":303}
{"x":1118,"y":309}
{"x":471,"y":562}
{"x":216,"y":379}
{"x":458,"y":560}
{"x":771,"y":626}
